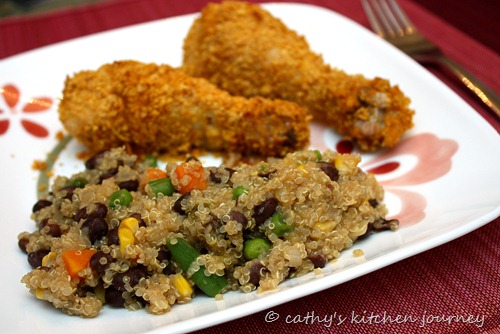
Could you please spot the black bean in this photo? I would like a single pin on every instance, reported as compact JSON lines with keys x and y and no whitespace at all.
{"x":256,"y":271}
{"x":290,"y":272}
{"x":139,"y":219}
{"x":107,"y":174}
{"x":35,"y":258}
{"x":100,"y":261}
{"x":265,"y":175}
{"x":130,"y":185}
{"x":136,"y":273}
{"x":80,"y":214}
{"x":82,"y":291}
{"x":381,"y":224}
{"x":141,"y":301}
{"x":330,"y":170}
{"x":384,"y":224}
{"x":201,"y":247}
{"x":23,"y":243}
{"x":43,"y":223}
{"x":170,"y":269}
{"x":100,"y":211}
{"x":264,"y":210}
{"x":69,"y":192}
{"x":239,"y":217}
{"x":96,"y":228}
{"x":42,"y":203}
{"x":113,"y":237}
{"x":94,"y":160}
{"x":267,"y":172}
{"x":215,"y":175}
{"x":214,"y":178}
{"x":131,"y":276}
{"x":163,"y":255}
{"x":178,"y":204}
{"x":319,"y":260}
{"x":118,"y":281}
{"x":231,"y":171}
{"x":114,"y":297}
{"x":369,"y":230}
{"x":53,"y":230}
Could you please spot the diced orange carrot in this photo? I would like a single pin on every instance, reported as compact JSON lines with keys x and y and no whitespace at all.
{"x":151,"y":174}
{"x":190,"y":176}
{"x":77,"y":260}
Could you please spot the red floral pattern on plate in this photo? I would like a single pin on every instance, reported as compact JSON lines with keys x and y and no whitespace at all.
{"x":433,"y":156}
{"x":11,"y":96}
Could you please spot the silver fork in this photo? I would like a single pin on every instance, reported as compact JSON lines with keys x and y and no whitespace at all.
{"x":389,"y":21}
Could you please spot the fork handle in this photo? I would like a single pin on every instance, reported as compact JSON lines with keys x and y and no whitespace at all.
{"x":485,"y":94}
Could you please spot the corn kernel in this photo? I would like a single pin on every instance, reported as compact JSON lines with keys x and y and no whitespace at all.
{"x":302,"y":167}
{"x":48,"y":258}
{"x":126,"y":238}
{"x":182,"y":285}
{"x":130,"y":223}
{"x":326,"y":226}
{"x":340,"y":164}
{"x":338,"y":161}
{"x":358,"y":252}
{"x":40,"y":294}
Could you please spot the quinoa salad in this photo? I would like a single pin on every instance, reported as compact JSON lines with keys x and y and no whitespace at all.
{"x":127,"y":233}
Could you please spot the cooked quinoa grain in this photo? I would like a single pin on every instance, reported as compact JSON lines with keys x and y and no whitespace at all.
{"x":220,"y":229}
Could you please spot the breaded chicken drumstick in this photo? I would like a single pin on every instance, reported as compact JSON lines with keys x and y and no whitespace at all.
{"x":243,"y":49}
{"x":150,"y":107}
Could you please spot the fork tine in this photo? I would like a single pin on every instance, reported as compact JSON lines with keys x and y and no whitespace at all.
{"x":381,"y":18}
{"x":408,"y":26}
{"x":372,"y":18}
{"x":386,"y":11}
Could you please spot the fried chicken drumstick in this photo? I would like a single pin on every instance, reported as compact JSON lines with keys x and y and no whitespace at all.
{"x":243,"y":49}
{"x":149,"y":107}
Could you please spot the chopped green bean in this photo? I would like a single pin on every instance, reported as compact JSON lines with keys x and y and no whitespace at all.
{"x":185,"y":254}
{"x":119,"y":198}
{"x":280,"y":227}
{"x":238,"y":191}
{"x":254,"y":247}
{"x":319,"y":156}
{"x":162,"y":186}
{"x":78,"y":182}
{"x":150,"y":161}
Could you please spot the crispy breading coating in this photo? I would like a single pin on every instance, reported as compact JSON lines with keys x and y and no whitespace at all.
{"x":243,"y":49}
{"x":150,"y":107}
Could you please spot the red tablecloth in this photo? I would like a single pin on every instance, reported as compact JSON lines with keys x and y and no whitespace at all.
{"x":459,"y":278}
